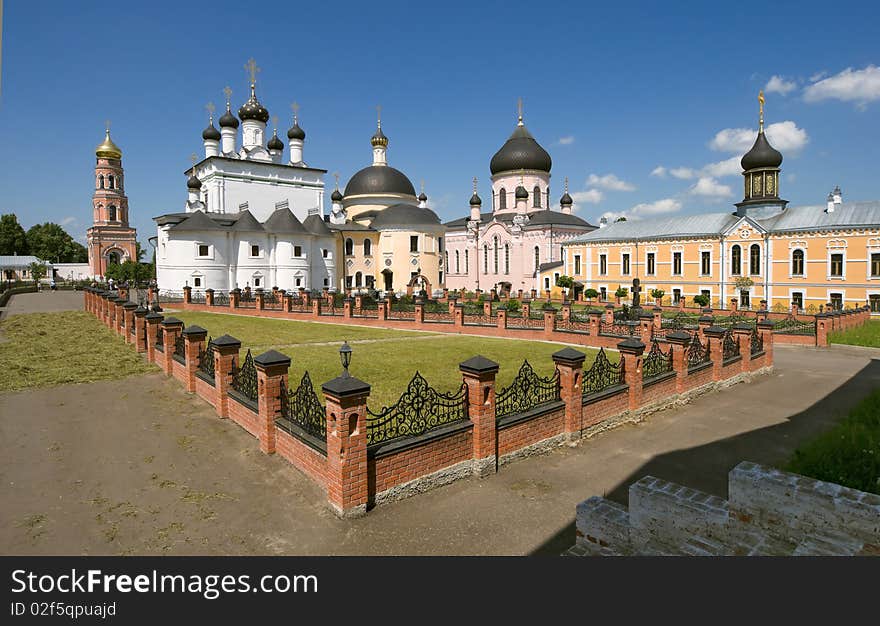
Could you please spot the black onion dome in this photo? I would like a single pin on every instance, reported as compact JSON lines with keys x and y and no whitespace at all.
{"x":762,"y":154}
{"x":295,"y":132}
{"x":211,"y":133}
{"x":275,"y":143}
{"x":379,"y":138}
{"x":423,"y":197}
{"x":193,"y":183}
{"x":253,"y":110}
{"x":565,"y":200}
{"x":475,"y":200}
{"x":379,"y":179}
{"x":520,"y":152}
{"x":228,"y":120}
{"x":405,"y":216}
{"x":336,"y":196}
{"x":521,"y":192}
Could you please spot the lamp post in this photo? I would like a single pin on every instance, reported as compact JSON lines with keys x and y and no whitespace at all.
{"x":345,"y":357}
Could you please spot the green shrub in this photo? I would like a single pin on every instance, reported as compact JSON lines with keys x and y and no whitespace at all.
{"x":701,"y":299}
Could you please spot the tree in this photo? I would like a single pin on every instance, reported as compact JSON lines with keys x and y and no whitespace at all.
{"x":701,"y":299}
{"x":13,"y":239}
{"x":657,"y":294}
{"x":564,"y":281}
{"x":38,"y":271}
{"x":621,"y":292}
{"x":51,"y":242}
{"x":139,"y":252}
{"x":130,"y":271}
{"x":620,"y":219}
{"x":589,"y":294}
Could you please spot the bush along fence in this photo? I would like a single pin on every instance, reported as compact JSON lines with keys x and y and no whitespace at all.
{"x":364,"y":455}
{"x":539,"y":321}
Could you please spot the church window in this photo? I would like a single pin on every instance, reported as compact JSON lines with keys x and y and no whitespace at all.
{"x":649,"y":264}
{"x":755,"y":259}
{"x":446,"y":261}
{"x":326,"y":282}
{"x":112,"y":211}
{"x":603,"y":264}
{"x":676,"y":296}
{"x":485,"y":259}
{"x":325,"y":253}
{"x":536,"y":197}
{"x":101,"y":181}
{"x":110,"y":181}
{"x":537,"y":257}
{"x":797,"y":262}
{"x":735,"y":260}
{"x":624,"y":264}
{"x":797,"y":299}
{"x":837,"y":265}
{"x":255,"y":251}
{"x":495,"y":253}
{"x":297,"y":251}
{"x":439,"y":244}
{"x":297,"y":282}
{"x":875,"y":265}
{"x":546,"y":282}
{"x":705,"y":263}
{"x":369,"y":281}
{"x":197,"y":281}
{"x":466,"y":263}
{"x":603,"y":294}
{"x":349,"y":247}
{"x":507,"y":258}
{"x":676,"y":262}
{"x":257,"y":280}
{"x":836,"y":301}
{"x":744,"y":298}
{"x":368,"y":247}
{"x":348,"y":281}
{"x":502,"y":198}
{"x":358,"y":279}
{"x":203,"y":249}
{"x":577,"y":264}
{"x":457,"y":263}
{"x":413,"y":243}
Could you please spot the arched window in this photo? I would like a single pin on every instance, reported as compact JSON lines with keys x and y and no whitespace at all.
{"x":735,"y":260}
{"x":502,"y":198}
{"x":358,"y":278}
{"x":485,"y":259}
{"x":110,"y":181}
{"x":349,"y":247}
{"x":466,"y":255}
{"x":495,"y":248}
{"x":457,"y":260}
{"x":755,"y":259}
{"x":446,"y":261}
{"x":536,"y":197}
{"x":112,"y":212}
{"x":797,"y":262}
{"x":507,"y":258}
{"x":537,"y":257}
{"x":368,"y":247}
{"x":101,"y":181}
{"x":113,"y":258}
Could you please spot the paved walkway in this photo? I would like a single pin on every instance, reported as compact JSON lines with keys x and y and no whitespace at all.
{"x":139,"y":467}
{"x":44,"y":301}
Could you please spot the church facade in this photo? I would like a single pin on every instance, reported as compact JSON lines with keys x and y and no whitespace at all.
{"x":805,"y":256}
{"x":507,"y":247}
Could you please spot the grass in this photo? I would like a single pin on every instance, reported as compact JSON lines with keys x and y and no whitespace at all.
{"x":387,"y":359}
{"x":865,"y":335}
{"x":46,"y":349}
{"x":848,"y":454}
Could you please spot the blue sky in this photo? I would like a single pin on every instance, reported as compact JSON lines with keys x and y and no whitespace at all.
{"x":641,"y":105}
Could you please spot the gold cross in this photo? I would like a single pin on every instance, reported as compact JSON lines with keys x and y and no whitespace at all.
{"x":193,"y":158}
{"x":210,"y":108}
{"x":519,"y":108}
{"x":228,"y":93}
{"x":566,"y":184}
{"x":275,"y":121}
{"x":761,"y":108}
{"x":295,"y":107}
{"x":379,"y":115}
{"x":475,"y":184}
{"x":107,"y":126}
{"x":252,"y":69}
{"x":336,"y":176}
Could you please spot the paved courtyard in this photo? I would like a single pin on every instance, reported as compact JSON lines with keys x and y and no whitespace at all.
{"x":138,"y":466}
{"x":45,"y":301}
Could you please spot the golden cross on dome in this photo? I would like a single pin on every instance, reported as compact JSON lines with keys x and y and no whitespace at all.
{"x":107,"y":126}
{"x":475,"y":184}
{"x":210,"y":108}
{"x":295,"y":107}
{"x":193,"y":158}
{"x":566,"y":184}
{"x":379,"y":116}
{"x":275,"y":121}
{"x":336,"y":176}
{"x":228,"y":93}
{"x":519,"y":110}
{"x":253,"y":70}
{"x":761,"y":109}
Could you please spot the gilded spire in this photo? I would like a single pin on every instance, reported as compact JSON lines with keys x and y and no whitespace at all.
{"x":566,"y":184}
{"x":295,"y":108}
{"x":519,"y":111}
{"x":210,"y":108}
{"x":379,"y":116}
{"x":475,"y":185}
{"x":252,"y":70}
{"x":760,"y":111}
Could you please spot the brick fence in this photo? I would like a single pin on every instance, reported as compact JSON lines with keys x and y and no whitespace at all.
{"x":428,"y":438}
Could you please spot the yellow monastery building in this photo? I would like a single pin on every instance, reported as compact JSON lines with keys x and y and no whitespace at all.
{"x":765,"y":250}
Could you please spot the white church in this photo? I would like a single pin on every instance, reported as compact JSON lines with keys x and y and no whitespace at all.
{"x":251,"y":219}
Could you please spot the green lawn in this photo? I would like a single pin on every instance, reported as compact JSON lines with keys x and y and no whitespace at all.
{"x":387,"y":359}
{"x":848,"y":454}
{"x":865,"y":335}
{"x":45,"y":349}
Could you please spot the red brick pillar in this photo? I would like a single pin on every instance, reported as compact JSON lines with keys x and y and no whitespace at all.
{"x":595,"y":323}
{"x":631,"y":351}
{"x":703,"y":323}
{"x":458,"y":315}
{"x":234,"y":298}
{"x":260,"y":299}
{"x":272,"y":369}
{"x":420,"y":311}
{"x":347,"y":485}
{"x":171,"y":327}
{"x":609,"y":313}
{"x":153,"y":295}
{"x":501,"y":320}
{"x":226,"y":351}
{"x":359,"y":303}
{"x":105,"y":316}
{"x":533,"y":294}
{"x":316,"y":308}
{"x":119,"y":315}
{"x":306,"y":297}
{"x":566,"y":311}
{"x":140,"y":329}
{"x":286,"y":301}
{"x":526,"y":309}
{"x":681,"y":302}
{"x":187,"y":294}
{"x":646,"y":328}
{"x":743,"y":334}
{"x":487,"y":308}
{"x":493,"y":293}
{"x":794,"y":309}
{"x":194,"y":338}
{"x":715,"y":335}
{"x":658,"y":317}
{"x":823,"y":323}
{"x":450,"y":303}
{"x":549,"y":320}
{"x":765,"y":329}
{"x":152,"y":325}
{"x":479,"y":376}
{"x":123,"y":293}
{"x":570,"y":364}
{"x":209,"y":297}
{"x":128,"y":310}
{"x":347,"y":307}
{"x":382,"y":309}
{"x":679,"y":341}
{"x":733,"y":305}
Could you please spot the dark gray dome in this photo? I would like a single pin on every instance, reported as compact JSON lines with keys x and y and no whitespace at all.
{"x":228,"y":120}
{"x":253,"y":110}
{"x":547,"y":217}
{"x":521,"y":193}
{"x":295,"y":132}
{"x":762,"y":154}
{"x":379,"y":179}
{"x":475,"y":200}
{"x":566,"y":199}
{"x":379,"y":138}
{"x":520,"y":152}
{"x":211,"y":133}
{"x":423,"y":197}
{"x":336,"y":196}
{"x":405,"y":215}
{"x":193,"y":183}
{"x":275,"y":143}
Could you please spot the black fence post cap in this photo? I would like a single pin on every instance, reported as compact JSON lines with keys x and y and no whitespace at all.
{"x":478,"y":365}
{"x":678,"y":336}
{"x":771,"y":323}
{"x":227,"y":340}
{"x":742,"y":326}
{"x":270,"y":358}
{"x":715,"y":331}
{"x":194,"y":330}
{"x":569,"y":356}
{"x":130,"y":306}
{"x":345,"y":386}
{"x":631,"y":345}
{"x":172,"y":321}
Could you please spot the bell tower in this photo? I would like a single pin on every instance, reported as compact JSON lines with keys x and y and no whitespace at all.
{"x":110,"y":239}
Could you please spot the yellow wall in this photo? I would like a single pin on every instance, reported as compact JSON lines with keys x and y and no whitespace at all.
{"x":393,"y":246}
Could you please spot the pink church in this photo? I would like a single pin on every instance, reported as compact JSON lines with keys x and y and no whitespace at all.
{"x":521,"y":236}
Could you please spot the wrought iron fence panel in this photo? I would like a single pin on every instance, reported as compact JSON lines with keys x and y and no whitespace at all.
{"x":302,"y":407}
{"x":573,"y":325}
{"x":697,"y":353}
{"x":245,"y":379}
{"x":246,"y":300}
{"x":299,"y":305}
{"x":657,"y":362}
{"x":432,"y":316}
{"x":525,"y":322}
{"x":793,"y":326}
{"x":728,"y":322}
{"x":757,"y":342}
{"x":480,"y":320}
{"x":197,"y":297}
{"x":397,"y":314}
{"x":160,"y":337}
{"x":729,"y":346}
{"x":527,"y":391}
{"x":602,"y":374}
{"x":619,"y":329}
{"x":180,"y":347}
{"x":206,"y":358}
{"x":221,"y":298}
{"x":167,"y":295}
{"x":272,"y":300}
{"x":420,"y":409}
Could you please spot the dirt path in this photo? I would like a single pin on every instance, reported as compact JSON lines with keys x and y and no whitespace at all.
{"x":140,"y":467}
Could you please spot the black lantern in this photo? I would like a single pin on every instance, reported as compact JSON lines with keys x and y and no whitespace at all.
{"x":345,"y":357}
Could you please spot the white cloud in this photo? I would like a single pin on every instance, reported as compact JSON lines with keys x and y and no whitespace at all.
{"x":659,"y":172}
{"x":818,"y":76}
{"x":859,"y":86}
{"x":610,"y":182}
{"x":785,"y":136}
{"x":728,"y":167}
{"x":779,"y":85}
{"x":67,"y":221}
{"x":565,"y":141}
{"x":708,"y":187}
{"x":683,"y":173}
{"x":591,"y":196}
{"x":666,"y":205}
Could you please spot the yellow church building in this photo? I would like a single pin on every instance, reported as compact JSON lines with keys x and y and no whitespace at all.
{"x":807,"y":256}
